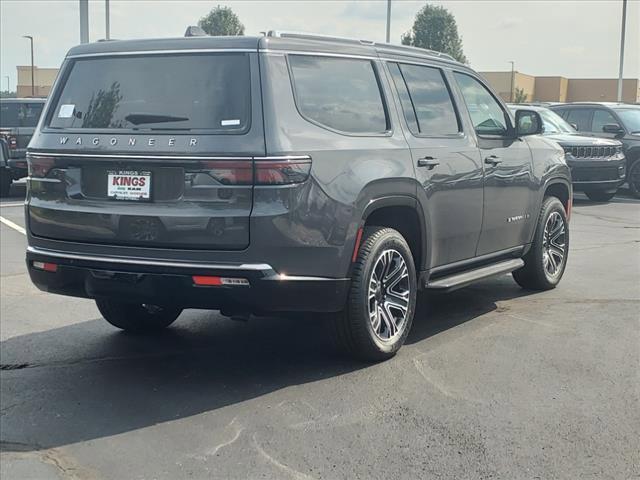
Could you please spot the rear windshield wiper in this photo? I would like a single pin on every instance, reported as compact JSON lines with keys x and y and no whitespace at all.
{"x":140,"y":118}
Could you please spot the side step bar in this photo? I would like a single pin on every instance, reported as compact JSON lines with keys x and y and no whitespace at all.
{"x":463,"y":279}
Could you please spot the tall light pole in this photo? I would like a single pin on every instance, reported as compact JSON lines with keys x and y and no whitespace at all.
{"x":84,"y":21}
{"x":388,"y":21}
{"x":107,"y":33}
{"x":513,"y":73}
{"x":624,"y":21}
{"x":33,"y":81}
{"x":7,"y":77}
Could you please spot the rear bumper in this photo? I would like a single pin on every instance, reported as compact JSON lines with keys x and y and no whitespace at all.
{"x":170,"y":283}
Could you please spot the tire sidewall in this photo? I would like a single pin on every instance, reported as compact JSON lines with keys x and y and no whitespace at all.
{"x":392,"y":240}
{"x":550,"y":206}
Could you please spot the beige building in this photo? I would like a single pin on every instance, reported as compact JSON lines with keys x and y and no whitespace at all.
{"x":561,"y":89}
{"x":43,"y":81}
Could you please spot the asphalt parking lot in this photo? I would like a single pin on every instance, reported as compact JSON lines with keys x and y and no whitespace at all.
{"x":495,"y":382}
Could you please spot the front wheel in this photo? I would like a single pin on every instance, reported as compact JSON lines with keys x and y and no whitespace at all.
{"x":137,"y":317}
{"x":546,"y":261}
{"x":633,"y":177}
{"x":382,"y":298}
{"x":598,"y":196}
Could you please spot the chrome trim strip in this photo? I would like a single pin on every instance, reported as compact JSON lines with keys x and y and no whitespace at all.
{"x":166,"y":157}
{"x":281,"y":277}
{"x":257,"y":267}
{"x":315,"y":54}
{"x":161,"y":52}
{"x":44,"y":180}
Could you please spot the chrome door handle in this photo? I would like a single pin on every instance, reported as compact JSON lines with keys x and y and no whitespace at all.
{"x":492,"y":160}
{"x":428,"y":162}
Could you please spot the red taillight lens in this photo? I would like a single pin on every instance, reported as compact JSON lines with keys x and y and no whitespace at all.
{"x":282,"y":172}
{"x":209,"y":281}
{"x":13,"y":143}
{"x":233,"y":172}
{"x":39,"y":166}
{"x":46,"y":266}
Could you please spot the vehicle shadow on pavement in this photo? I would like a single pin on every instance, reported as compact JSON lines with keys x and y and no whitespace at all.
{"x":88,"y":381}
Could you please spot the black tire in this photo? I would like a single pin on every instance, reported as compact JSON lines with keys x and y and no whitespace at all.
{"x":5,"y":182}
{"x":633,"y":178}
{"x":137,"y":318}
{"x":355,"y":332}
{"x":535,"y":274}
{"x":599,"y":196}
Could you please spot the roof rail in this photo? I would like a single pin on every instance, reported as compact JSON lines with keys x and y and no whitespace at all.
{"x":317,"y":36}
{"x":389,"y":47}
{"x":194,"y":31}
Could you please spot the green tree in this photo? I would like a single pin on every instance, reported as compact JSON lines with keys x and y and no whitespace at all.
{"x":435,"y":28}
{"x":7,"y":94}
{"x":520,"y":96}
{"x":221,"y":21}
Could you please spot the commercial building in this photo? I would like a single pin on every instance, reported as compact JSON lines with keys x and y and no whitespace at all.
{"x":43,"y":81}
{"x":561,"y":89}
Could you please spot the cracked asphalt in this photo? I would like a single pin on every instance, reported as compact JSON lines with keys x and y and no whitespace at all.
{"x":495,"y":382}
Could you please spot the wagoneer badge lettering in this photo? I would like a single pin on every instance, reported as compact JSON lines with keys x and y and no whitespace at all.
{"x":171,"y":142}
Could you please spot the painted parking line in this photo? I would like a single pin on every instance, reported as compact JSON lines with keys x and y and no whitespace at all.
{"x":13,"y":225}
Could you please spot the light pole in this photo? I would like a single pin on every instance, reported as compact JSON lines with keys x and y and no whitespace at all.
{"x":388,"y":21}
{"x":106,"y":20}
{"x":624,"y":21}
{"x":512,"y":80}
{"x":33,"y":82}
{"x":7,"y":77}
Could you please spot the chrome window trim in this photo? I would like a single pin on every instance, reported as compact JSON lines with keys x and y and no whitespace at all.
{"x":164,"y":52}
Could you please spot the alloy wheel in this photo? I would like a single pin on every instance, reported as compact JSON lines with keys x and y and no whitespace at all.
{"x":388,"y":295}
{"x":554,"y":245}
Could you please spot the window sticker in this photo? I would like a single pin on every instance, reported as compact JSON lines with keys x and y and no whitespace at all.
{"x":66,"y":110}
{"x":226,"y":123}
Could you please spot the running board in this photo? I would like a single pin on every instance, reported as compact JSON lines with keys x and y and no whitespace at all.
{"x":463,"y":279}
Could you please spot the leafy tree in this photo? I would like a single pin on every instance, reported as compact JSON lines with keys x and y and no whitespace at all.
{"x":520,"y":96}
{"x":221,"y":21}
{"x":435,"y":28}
{"x":7,"y":94}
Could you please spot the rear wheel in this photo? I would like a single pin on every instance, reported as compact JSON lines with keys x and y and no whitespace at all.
{"x":634,"y":178}
{"x":545,"y":262}
{"x":5,"y":182}
{"x":382,"y":298}
{"x":137,"y":317}
{"x":598,"y":196}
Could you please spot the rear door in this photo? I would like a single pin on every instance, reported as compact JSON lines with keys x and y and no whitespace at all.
{"x":446,"y":160}
{"x":509,"y":186}
{"x":151,"y":150}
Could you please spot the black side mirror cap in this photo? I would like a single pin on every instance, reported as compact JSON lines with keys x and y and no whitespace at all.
{"x":612,"y":128}
{"x":528,"y":122}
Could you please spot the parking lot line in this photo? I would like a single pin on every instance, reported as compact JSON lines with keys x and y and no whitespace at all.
{"x":13,"y":225}
{"x":19,"y":204}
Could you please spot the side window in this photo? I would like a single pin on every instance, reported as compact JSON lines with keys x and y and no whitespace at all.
{"x":30,"y":114}
{"x":487,"y":115}
{"x":430,"y":99}
{"x":581,"y":117}
{"x":339,"y":93}
{"x":600,"y":119}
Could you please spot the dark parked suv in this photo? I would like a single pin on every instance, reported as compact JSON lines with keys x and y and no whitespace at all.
{"x":597,"y":164}
{"x":286,"y":173}
{"x":618,"y":121}
{"x":18,"y":120}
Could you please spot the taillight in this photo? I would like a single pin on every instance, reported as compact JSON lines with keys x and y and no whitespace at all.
{"x":232,"y":172}
{"x":13,"y":142}
{"x":282,"y":172}
{"x":46,"y":266}
{"x":39,"y":166}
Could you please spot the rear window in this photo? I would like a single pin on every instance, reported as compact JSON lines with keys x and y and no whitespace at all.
{"x":19,"y":114}
{"x":340,"y":93}
{"x":188,"y":92}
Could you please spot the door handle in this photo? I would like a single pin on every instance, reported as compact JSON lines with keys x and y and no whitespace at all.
{"x":492,"y":160}
{"x":428,"y":162}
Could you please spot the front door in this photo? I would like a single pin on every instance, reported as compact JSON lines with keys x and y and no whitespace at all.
{"x":446,"y":160}
{"x":509,"y":187}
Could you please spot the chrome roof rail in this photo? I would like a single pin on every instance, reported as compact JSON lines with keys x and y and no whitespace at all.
{"x":316,"y":36}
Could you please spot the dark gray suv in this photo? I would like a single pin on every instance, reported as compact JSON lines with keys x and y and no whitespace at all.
{"x":286,"y":173}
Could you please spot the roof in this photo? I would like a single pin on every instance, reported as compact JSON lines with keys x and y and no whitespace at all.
{"x":23,"y":100}
{"x":601,"y":104}
{"x":289,"y":41}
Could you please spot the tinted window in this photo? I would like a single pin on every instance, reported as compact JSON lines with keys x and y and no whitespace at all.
{"x":581,"y":117}
{"x":631,"y":118}
{"x":486,"y":113}
{"x":169,"y":92}
{"x":405,"y":99}
{"x":600,"y":119}
{"x":339,"y":93}
{"x":20,"y":114}
{"x":431,"y":100}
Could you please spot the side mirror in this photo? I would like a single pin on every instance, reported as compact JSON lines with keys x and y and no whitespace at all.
{"x":612,"y":128}
{"x":574,"y":125}
{"x":528,"y":122}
